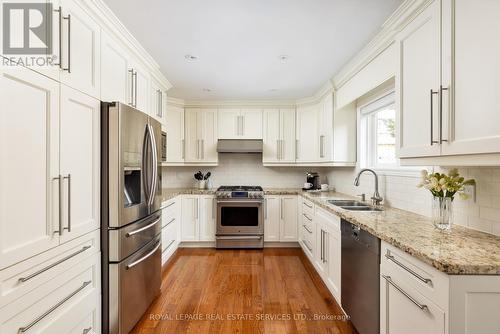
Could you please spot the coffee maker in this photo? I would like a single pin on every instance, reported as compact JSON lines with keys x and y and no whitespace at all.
{"x":313,"y":178}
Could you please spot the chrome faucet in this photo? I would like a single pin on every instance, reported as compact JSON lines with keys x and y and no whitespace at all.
{"x":376,"y":198}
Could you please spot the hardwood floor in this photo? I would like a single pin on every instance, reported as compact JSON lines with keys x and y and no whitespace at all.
{"x":275,"y":290}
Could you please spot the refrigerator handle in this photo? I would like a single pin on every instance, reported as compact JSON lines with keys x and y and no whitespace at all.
{"x":145,"y":174}
{"x":154,"y":158}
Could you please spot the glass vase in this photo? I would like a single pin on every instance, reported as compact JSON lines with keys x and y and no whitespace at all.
{"x":442,"y":212}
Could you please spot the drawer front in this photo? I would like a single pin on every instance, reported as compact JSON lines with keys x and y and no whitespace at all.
{"x":307,"y":220}
{"x":170,"y":211}
{"x":428,"y":281}
{"x":58,"y":305}
{"x":26,"y":276}
{"x":168,"y":236}
{"x":308,"y":239}
{"x":307,"y":207}
{"x":327,"y":218}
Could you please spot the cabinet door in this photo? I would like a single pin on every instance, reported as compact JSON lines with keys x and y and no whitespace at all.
{"x":192,"y":143}
{"x":417,"y":74}
{"x":175,"y":134}
{"x":399,"y":314}
{"x":251,"y":124}
{"x":326,"y":129}
{"x":80,"y":162}
{"x":115,"y":75}
{"x":229,"y":123}
{"x":333,"y":257}
{"x":81,"y":47}
{"x":471,"y":64}
{"x":320,"y":258}
{"x":207,"y":218}
{"x":288,"y":148}
{"x":207,"y":128}
{"x":190,"y":212}
{"x":289,"y":216}
{"x":142,"y":88}
{"x":29,"y":147}
{"x":272,"y":218}
{"x":155,"y":104}
{"x":271,"y":140}
{"x":307,"y":134}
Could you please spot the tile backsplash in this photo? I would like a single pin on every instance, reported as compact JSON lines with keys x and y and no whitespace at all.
{"x":400,"y":191}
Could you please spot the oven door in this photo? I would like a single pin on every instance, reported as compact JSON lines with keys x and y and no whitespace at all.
{"x":238,"y":216}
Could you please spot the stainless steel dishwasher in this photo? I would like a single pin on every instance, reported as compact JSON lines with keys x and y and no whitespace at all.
{"x":360,"y":278}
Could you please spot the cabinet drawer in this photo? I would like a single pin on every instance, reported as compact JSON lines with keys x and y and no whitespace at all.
{"x":307,"y":207}
{"x":170,"y":211}
{"x":168,"y":236}
{"x":307,"y":220}
{"x":22,"y":278}
{"x":62,"y":305}
{"x":307,"y":237}
{"x":428,"y":281}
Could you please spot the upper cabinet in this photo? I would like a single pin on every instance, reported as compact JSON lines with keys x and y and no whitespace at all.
{"x":449,"y":59}
{"x":175,"y":134}
{"x":307,"y":134}
{"x":201,"y":136}
{"x":115,"y":75}
{"x":157,"y":104}
{"x":279,"y":136}
{"x":240,"y":124}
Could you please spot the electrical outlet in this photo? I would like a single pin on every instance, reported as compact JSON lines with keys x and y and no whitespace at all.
{"x":470,"y":190}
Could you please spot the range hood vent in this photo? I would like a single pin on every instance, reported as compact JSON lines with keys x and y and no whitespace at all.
{"x":239,"y":146}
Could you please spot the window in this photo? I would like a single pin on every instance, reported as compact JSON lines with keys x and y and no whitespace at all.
{"x":378,"y":133}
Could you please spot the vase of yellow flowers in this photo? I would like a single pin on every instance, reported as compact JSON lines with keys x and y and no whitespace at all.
{"x":444,"y":187}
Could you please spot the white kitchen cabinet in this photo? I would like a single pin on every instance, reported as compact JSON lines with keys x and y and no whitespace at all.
{"x":115,"y":75}
{"x":175,"y":134}
{"x":280,"y":218}
{"x":141,"y":83}
{"x":325,"y":127}
{"x":156,"y":103}
{"x":198,"y":218}
{"x":201,"y":136}
{"x":307,"y":134}
{"x":417,"y":84}
{"x":80,"y":165}
{"x":80,"y":51}
{"x":170,"y":219}
{"x":207,"y":216}
{"x":240,"y":124}
{"x":272,"y":218}
{"x":279,"y":136}
{"x":29,"y":144}
{"x":333,"y":257}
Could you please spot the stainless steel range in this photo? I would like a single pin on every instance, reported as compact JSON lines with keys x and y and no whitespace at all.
{"x":240,"y":217}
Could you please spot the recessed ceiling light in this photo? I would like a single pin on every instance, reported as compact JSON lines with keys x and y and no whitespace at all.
{"x":273,"y":90}
{"x":208,"y":90}
{"x":283,"y":58}
{"x":191,"y":57}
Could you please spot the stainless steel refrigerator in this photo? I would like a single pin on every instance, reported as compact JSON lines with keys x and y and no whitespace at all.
{"x":131,"y":215}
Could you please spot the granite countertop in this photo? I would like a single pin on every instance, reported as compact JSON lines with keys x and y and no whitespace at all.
{"x":461,"y":251}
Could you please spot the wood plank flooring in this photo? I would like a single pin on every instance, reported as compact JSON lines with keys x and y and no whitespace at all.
{"x":275,"y":290}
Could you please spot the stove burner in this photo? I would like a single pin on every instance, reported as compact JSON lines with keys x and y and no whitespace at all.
{"x":240,"y":188}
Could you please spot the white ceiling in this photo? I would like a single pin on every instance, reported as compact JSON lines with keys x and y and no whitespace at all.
{"x":238,"y":42}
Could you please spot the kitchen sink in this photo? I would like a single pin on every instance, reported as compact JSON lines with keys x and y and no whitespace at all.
{"x":344,"y":202}
{"x":361,"y":208}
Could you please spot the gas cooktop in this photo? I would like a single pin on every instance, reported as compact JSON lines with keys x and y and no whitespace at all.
{"x":240,"y":188}
{"x":241,"y":192}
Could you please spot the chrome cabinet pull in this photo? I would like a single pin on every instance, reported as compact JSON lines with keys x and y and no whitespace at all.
{"x":131,"y":71}
{"x":307,"y":229}
{"x":281,"y":208}
{"x":308,"y":218}
{"x":325,"y":240}
{"x":296,"y":149}
{"x":135,"y":89}
{"x":59,"y":11}
{"x":69,"y":43}
{"x":183,"y":143}
{"x":441,"y":89}
{"x":53,"y":308}
{"x":69,"y":202}
{"x":133,"y":264}
{"x":203,"y":148}
{"x":240,"y":237}
{"x":307,"y":245}
{"x":321,"y":146}
{"x":309,"y":206}
{"x":27,"y":278}
{"x":432,"y":92}
{"x":87,"y":330}
{"x":213,"y":208}
{"x":60,"y":190}
{"x":321,"y":242}
{"x":265,"y":208}
{"x":139,"y":230}
{"x":169,"y":205}
{"x":420,"y":277}
{"x":389,"y":280}
{"x":170,"y":222}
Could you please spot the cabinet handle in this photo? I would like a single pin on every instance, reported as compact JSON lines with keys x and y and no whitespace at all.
{"x":324,"y":247}
{"x":277,"y":149}
{"x":306,"y":228}
{"x":197,"y":149}
{"x":131,"y":71}
{"x":321,"y":245}
{"x":203,"y":148}
{"x":308,"y":218}
{"x":432,"y":117}
{"x":296,"y":148}
{"x":87,"y":330}
{"x":69,"y":43}
{"x":69,"y":202}
{"x":321,"y":146}
{"x":441,"y":89}
{"x":59,"y":11}
{"x":389,"y":280}
{"x":281,"y":208}
{"x":27,"y":278}
{"x":60,"y":191}
{"x":135,"y":89}
{"x":265,"y":208}
{"x":420,"y":277}
{"x":183,"y":143}
{"x":53,"y":308}
{"x":170,"y":222}
{"x":309,"y":206}
{"x":213,"y":208}
{"x":307,"y":245}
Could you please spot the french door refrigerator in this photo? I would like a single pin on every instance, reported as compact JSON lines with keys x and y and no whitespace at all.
{"x":130,"y":216}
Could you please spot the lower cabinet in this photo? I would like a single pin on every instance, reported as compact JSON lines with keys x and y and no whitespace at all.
{"x":170,"y":218}
{"x":198,"y":218}
{"x":280,"y":218}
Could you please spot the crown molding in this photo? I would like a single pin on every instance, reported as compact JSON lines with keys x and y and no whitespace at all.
{"x":241,"y":103}
{"x":327,"y":88}
{"x":175,"y":102}
{"x":109,"y":21}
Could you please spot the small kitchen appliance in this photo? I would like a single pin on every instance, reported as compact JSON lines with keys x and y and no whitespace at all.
{"x":313,"y":178}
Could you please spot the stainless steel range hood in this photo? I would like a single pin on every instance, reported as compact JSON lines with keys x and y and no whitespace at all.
{"x":239,"y":146}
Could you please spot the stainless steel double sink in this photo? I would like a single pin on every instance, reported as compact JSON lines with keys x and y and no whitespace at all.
{"x":352,"y":205}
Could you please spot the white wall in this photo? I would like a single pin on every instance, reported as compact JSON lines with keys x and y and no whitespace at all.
{"x":400,"y":191}
{"x":240,"y":169}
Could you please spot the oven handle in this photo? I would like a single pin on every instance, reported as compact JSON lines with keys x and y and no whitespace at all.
{"x":240,"y":202}
{"x":242,"y":237}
